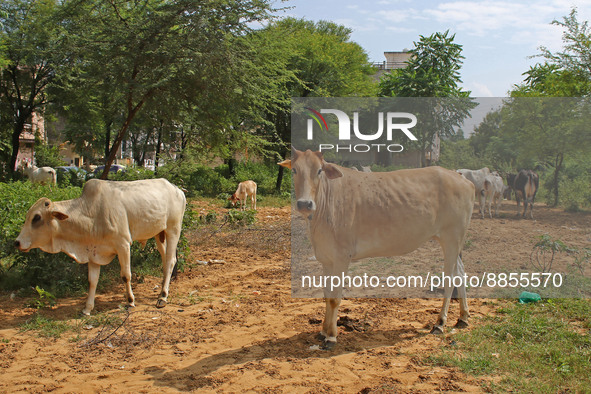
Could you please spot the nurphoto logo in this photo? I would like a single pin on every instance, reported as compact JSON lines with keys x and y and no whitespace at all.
{"x":395,"y":121}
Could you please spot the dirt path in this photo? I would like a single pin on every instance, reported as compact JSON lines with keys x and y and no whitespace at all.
{"x":232,"y":325}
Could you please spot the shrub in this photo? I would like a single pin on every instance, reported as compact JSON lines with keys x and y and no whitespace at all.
{"x":133,"y":174}
{"x":575,"y":193}
{"x":201,"y":180}
{"x":241,"y":218}
{"x":72,"y":177}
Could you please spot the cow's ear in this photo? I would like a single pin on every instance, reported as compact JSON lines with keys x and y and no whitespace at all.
{"x":331,"y":171}
{"x":59,"y":215}
{"x":285,"y":163}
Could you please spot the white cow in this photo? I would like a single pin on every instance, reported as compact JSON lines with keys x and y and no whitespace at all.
{"x":492,"y":193}
{"x":103,"y":222}
{"x":477,"y":178}
{"x":245,"y":189}
{"x":40,"y":175}
{"x":353,"y":215}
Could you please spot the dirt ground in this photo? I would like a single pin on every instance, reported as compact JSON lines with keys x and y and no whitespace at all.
{"x":232,"y":326}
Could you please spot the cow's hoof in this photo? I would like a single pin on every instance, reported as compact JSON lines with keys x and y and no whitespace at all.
{"x":161,"y":303}
{"x":436,"y":330}
{"x":321,"y":337}
{"x":461,"y":324}
{"x":329,"y":345}
{"x":84,"y":313}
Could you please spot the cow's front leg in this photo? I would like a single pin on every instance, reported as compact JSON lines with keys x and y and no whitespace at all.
{"x":124,"y":255}
{"x":438,"y":327}
{"x":329,"y":326}
{"x":94,"y":271}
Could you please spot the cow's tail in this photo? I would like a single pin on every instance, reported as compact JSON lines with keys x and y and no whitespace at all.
{"x":529,"y":187}
{"x":487,"y":185}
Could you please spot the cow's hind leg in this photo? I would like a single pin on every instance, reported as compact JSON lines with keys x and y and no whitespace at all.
{"x":464,"y":312}
{"x":94,"y":271}
{"x":124,"y":255}
{"x":453,"y":267}
{"x":171,"y":240}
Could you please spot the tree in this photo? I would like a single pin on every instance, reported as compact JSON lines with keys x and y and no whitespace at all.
{"x":30,"y":36}
{"x":150,"y":49}
{"x":319,"y":60}
{"x":553,"y":131}
{"x":432,"y":71}
{"x":575,"y":56}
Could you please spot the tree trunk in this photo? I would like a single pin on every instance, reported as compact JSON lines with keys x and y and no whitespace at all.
{"x":231,"y":166}
{"x":115,"y":148}
{"x":16,"y":134}
{"x":157,"y":154}
{"x":108,"y":139}
{"x":555,"y":181}
{"x":131,"y":112}
{"x":280,"y":173}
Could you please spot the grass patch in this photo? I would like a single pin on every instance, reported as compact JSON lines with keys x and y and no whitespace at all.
{"x":543,"y":347}
{"x":45,"y":327}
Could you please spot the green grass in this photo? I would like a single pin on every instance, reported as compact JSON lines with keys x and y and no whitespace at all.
{"x":45,"y":327}
{"x":543,"y":347}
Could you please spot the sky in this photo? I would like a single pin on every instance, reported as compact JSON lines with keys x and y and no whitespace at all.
{"x":498,"y":37}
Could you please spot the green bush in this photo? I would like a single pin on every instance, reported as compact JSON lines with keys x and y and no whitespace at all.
{"x":133,"y":174}
{"x":575,"y":194}
{"x":49,"y":156}
{"x":201,"y":180}
{"x":72,"y":177}
{"x":241,"y":218}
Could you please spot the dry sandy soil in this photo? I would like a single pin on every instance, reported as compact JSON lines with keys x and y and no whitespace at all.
{"x":232,"y":325}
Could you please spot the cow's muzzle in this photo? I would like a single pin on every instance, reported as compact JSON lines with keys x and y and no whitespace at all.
{"x":18,"y":245}
{"x":306,"y":207}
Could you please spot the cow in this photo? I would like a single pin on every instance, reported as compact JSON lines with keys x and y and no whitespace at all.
{"x":353,"y":215}
{"x":103,"y":222}
{"x":477,"y":178}
{"x":511,"y":183}
{"x":526,"y":186}
{"x":492,"y":193}
{"x":40,"y":175}
{"x":245,"y":189}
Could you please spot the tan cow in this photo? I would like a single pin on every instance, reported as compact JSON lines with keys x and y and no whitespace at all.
{"x":245,"y":189}
{"x":353,"y":215}
{"x":103,"y":222}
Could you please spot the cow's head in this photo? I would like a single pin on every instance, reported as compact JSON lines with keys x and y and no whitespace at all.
{"x":308,"y":169}
{"x":40,"y":223}
{"x":233,"y":199}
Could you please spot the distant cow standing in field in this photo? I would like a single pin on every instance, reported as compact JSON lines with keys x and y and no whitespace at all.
{"x":103,"y":223}
{"x":511,"y":184}
{"x":492,"y":193}
{"x":526,"y":185}
{"x":245,"y":189}
{"x":41,"y":175}
{"x":477,"y":178}
{"x":353,"y":215}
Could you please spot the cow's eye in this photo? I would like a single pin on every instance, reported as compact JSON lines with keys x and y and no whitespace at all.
{"x":293,"y":171}
{"x":36,"y":218}
{"x":319,"y":171}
